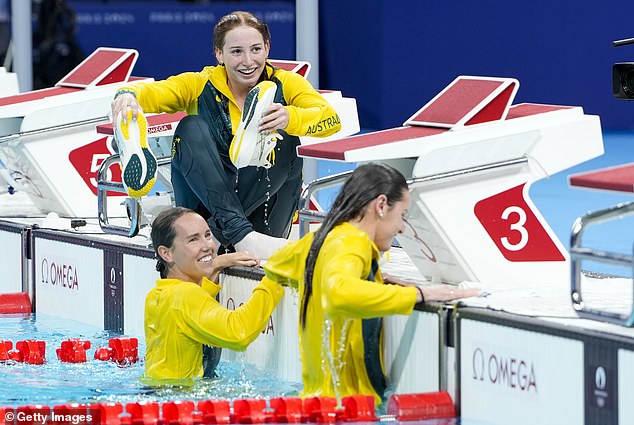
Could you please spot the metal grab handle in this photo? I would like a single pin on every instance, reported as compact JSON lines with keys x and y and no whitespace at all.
{"x":579,"y":253}
{"x":103,"y":186}
{"x":306,"y":215}
{"x":13,"y":136}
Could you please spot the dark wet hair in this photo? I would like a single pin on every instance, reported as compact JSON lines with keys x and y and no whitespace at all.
{"x":237,"y":19}
{"x":364,"y":185}
{"x":163,"y":233}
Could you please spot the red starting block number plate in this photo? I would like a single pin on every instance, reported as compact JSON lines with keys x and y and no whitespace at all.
{"x":515,"y":229}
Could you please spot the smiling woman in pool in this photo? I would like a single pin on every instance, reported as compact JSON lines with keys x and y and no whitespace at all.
{"x":181,"y":311}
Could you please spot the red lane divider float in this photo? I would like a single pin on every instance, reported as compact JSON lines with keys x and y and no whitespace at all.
{"x":122,"y":350}
{"x":250,"y":411}
{"x":181,"y":413}
{"x":144,"y":412}
{"x":5,"y":348}
{"x":73,"y":350}
{"x":288,"y":410}
{"x":411,"y":407}
{"x":215,"y":411}
{"x":357,"y":408}
{"x":32,"y":351}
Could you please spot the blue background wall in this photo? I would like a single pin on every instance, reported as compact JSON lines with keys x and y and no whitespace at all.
{"x":393,"y":56}
{"x":172,"y":36}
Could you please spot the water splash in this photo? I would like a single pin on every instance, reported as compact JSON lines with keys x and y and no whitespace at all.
{"x":268,"y":198}
{"x":333,"y":363}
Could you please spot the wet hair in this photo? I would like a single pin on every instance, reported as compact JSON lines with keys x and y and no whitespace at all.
{"x":237,"y":19}
{"x":163,"y":233}
{"x":362,"y":187}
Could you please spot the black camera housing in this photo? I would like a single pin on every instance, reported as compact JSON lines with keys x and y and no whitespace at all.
{"x":623,"y":80}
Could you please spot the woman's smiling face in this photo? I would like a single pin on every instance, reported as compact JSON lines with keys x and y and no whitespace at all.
{"x":193,"y":249}
{"x":244,"y":55}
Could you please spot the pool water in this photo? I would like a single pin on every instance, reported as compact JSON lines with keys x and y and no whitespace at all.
{"x":56,"y":382}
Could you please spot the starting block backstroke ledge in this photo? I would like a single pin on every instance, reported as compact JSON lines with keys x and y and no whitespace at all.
{"x":471,"y":158}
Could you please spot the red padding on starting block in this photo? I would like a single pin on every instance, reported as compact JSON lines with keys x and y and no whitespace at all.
{"x":620,"y":179}
{"x":299,"y":67}
{"x":18,"y":302}
{"x":495,"y":109}
{"x":336,"y":150}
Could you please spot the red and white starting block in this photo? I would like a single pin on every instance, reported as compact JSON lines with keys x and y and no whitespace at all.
{"x":47,"y":137}
{"x":471,"y":158}
{"x":53,"y":154}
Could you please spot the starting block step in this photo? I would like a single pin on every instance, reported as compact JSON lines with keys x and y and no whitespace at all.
{"x":471,"y":158}
{"x":619,"y":179}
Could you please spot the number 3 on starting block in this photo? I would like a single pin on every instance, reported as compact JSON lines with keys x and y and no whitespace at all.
{"x":515,"y":229}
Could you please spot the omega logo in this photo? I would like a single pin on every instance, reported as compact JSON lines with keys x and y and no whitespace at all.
{"x":159,"y":128}
{"x":510,"y":372}
{"x":600,"y":378}
{"x":600,"y":382}
{"x":59,"y":274}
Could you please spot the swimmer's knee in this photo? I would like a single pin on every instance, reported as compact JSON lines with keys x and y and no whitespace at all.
{"x":192,"y":129}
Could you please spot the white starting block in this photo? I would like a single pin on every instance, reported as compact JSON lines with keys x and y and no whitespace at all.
{"x":346,"y":107}
{"x":471,"y":158}
{"x":47,"y":137}
{"x":8,"y":83}
{"x":161,"y":129}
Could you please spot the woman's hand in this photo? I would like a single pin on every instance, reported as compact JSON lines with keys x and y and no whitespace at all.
{"x":242,"y":258}
{"x":442,"y":292}
{"x":446,"y":292}
{"x":275,"y":118}
{"x":122,"y":103}
{"x":392,"y":280}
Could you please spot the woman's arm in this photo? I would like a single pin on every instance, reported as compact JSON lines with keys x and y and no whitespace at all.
{"x":174,"y":94}
{"x":434,"y":292}
{"x":206,"y":321}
